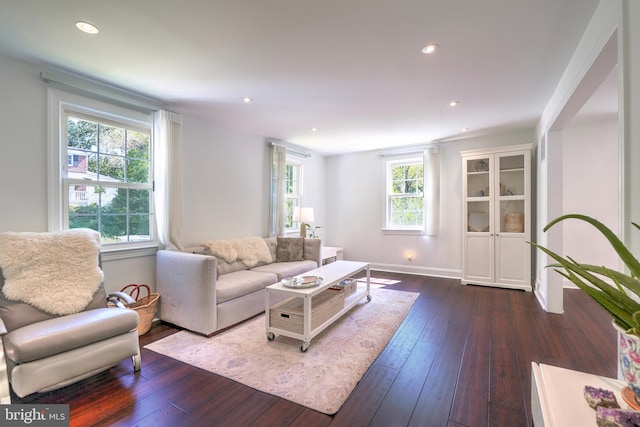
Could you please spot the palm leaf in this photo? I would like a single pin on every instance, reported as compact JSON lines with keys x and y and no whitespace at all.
{"x":616,"y":302}
{"x":625,"y":255}
{"x":617,"y":293}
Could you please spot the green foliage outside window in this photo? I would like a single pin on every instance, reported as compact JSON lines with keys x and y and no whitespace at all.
{"x":292,"y":193}
{"x":406,"y":195}
{"x":115,"y":155}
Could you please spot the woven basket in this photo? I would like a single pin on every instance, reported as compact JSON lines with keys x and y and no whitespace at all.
{"x":288,"y":314}
{"x":146,"y":306}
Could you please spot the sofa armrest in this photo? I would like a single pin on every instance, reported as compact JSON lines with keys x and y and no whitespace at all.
{"x":120,"y":299}
{"x":313,"y":250}
{"x":187,"y":285}
{"x":60,"y":334}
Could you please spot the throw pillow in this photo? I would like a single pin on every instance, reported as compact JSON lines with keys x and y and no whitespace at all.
{"x":290,"y":249}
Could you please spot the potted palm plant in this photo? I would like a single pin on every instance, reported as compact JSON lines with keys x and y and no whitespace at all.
{"x":618,"y":293}
{"x":312,"y":230}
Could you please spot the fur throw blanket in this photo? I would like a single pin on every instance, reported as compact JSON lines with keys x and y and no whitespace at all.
{"x":250,"y":251}
{"x":56,"y":272}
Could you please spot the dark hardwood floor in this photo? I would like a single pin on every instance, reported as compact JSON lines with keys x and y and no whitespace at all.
{"x":462,"y":357}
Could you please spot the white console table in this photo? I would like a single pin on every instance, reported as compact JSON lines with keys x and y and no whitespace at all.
{"x":331,"y":254}
{"x":557,"y":396}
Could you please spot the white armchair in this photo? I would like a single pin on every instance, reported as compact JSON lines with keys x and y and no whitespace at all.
{"x":42,"y":351}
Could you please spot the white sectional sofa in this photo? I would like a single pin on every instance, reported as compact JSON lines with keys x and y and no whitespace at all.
{"x":222,"y":282}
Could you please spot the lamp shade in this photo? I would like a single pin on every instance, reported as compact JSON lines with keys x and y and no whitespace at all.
{"x":303,"y":214}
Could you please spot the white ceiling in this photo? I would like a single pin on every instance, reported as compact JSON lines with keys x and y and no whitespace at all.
{"x":353,"y":69}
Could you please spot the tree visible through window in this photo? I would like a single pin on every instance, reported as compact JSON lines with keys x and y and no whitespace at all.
{"x":405,"y":194}
{"x":293,"y":190}
{"x":109,"y":185}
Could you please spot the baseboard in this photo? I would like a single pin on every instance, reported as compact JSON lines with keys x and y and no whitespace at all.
{"x":421,"y":271}
{"x":542,"y":299}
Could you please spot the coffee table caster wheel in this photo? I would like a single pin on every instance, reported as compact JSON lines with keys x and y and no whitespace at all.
{"x":368,"y":298}
{"x":271,"y":336}
{"x":304,"y":346}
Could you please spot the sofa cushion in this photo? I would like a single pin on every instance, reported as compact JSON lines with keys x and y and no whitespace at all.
{"x":287,"y":269}
{"x":226,"y":267}
{"x":290,"y":249}
{"x":243,"y":282}
{"x":272,"y":244}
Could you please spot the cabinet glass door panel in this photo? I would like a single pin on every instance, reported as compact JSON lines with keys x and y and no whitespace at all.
{"x":478,"y":178}
{"x":478,"y":216}
{"x":512,"y":174}
{"x":512,"y":218}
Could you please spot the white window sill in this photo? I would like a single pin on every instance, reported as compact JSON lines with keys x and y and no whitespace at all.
{"x":402,"y":232}
{"x":113,"y":253}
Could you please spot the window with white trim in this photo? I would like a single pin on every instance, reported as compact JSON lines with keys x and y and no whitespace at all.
{"x":292,"y":194}
{"x":102,"y":170}
{"x":405,"y":194}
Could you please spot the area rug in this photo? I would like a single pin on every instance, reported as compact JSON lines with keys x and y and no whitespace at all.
{"x":321,"y":378}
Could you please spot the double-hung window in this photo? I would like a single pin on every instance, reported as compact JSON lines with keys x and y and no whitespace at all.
{"x":293,"y":193}
{"x":102,"y":172}
{"x":405,"y":206}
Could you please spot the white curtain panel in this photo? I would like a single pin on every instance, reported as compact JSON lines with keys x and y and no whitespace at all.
{"x":167,"y":131}
{"x":432,"y":190}
{"x":278,"y":169}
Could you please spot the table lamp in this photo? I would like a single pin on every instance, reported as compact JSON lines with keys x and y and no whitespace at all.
{"x":303,"y":215}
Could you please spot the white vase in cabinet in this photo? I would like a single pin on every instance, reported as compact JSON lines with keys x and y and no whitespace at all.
{"x":496,"y":200}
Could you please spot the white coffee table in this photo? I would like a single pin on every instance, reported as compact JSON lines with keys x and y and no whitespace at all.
{"x":331,"y":273}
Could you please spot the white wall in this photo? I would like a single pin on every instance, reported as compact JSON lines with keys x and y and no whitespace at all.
{"x":226,"y":183}
{"x":225,"y":175}
{"x":23,"y":153}
{"x":590,"y":187}
{"x":594,"y":58}
{"x":355,"y":209}
{"x":630,"y":95}
{"x":23,"y":166}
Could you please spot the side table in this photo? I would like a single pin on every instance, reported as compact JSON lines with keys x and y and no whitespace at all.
{"x":331,"y":254}
{"x":557,"y":396}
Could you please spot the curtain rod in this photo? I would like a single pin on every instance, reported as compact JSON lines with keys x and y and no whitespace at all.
{"x":290,"y":149}
{"x":104,"y":91}
{"x":403,"y":151}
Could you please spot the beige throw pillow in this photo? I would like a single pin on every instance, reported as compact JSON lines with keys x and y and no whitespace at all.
{"x":290,"y":249}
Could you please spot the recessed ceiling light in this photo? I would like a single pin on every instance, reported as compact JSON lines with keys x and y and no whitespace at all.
{"x":465,"y":129}
{"x":87,"y":27}
{"x":453,"y":103}
{"x":430,"y":48}
{"x":247,"y":100}
{"x":314,"y":129}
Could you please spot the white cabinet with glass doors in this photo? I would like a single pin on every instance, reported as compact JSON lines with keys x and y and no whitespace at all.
{"x":496,"y":197}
